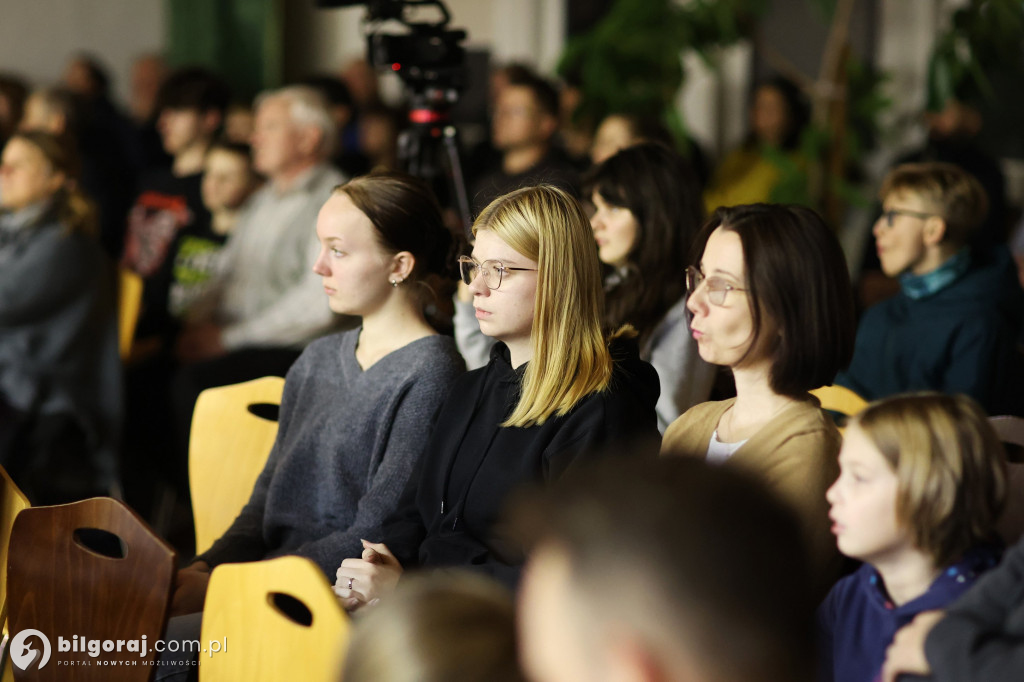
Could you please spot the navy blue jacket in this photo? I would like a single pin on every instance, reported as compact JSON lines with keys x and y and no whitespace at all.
{"x":857,"y":622}
{"x":961,"y":339}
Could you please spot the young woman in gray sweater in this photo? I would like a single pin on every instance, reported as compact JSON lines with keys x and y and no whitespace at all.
{"x":357,"y":406}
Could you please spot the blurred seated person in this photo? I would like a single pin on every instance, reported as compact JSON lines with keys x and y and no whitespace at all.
{"x":448,"y":626}
{"x":60,"y":373}
{"x":238,"y":123}
{"x":778,"y":116}
{"x":952,"y":138}
{"x":149,"y":72}
{"x":169,"y":205}
{"x":954,"y":324}
{"x":523,"y":130}
{"x":105,"y":177}
{"x":13,"y":93}
{"x":379,"y":127}
{"x":664,"y":571}
{"x":618,"y":131}
{"x":228,"y":180}
{"x":265,"y":303}
{"x":348,"y":158}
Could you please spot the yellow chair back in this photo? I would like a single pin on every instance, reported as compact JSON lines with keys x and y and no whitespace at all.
{"x":839,"y":399}
{"x":228,"y":447}
{"x":129,"y":301}
{"x":258,"y":640}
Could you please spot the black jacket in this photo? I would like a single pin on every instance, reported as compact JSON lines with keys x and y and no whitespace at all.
{"x":449,"y":511}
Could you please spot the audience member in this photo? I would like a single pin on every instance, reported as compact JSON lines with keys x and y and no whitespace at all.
{"x":557,"y":389}
{"x":265,"y":303}
{"x":348,"y":157}
{"x":771,"y":300}
{"x":524,"y":125}
{"x":952,"y":138}
{"x":88,"y":78}
{"x":104,"y":178}
{"x":238,"y":123}
{"x":437,"y":628}
{"x":357,"y":406}
{"x":618,"y":131}
{"x":664,"y":571}
{"x":379,"y":127}
{"x":149,"y":72}
{"x":193,"y":256}
{"x":60,"y":374}
{"x":746,"y":175}
{"x":647,"y":213}
{"x":229,"y":179}
{"x":954,"y":325}
{"x":169,"y":205}
{"x":648,"y":210}
{"x":13,"y":93}
{"x":977,"y":639}
{"x":922,"y":484}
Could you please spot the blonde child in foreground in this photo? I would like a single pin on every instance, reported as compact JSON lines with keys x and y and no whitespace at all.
{"x":922,"y":484}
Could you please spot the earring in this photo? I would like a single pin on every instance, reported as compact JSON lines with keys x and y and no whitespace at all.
{"x":396,"y":282}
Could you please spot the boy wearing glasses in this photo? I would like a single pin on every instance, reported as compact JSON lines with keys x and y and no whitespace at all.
{"x":953,"y":327}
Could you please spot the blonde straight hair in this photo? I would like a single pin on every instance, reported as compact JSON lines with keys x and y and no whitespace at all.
{"x":570,"y":357}
{"x":950,"y":464}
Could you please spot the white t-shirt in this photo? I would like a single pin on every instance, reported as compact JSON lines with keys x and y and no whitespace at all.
{"x":719,"y":452}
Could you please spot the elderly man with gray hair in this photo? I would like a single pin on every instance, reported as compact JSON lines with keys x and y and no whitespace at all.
{"x":266,"y":303}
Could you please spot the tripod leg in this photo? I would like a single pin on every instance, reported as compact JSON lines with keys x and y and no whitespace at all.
{"x":458,"y":181}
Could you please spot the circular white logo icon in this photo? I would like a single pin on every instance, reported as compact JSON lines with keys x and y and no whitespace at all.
{"x":22,"y":653}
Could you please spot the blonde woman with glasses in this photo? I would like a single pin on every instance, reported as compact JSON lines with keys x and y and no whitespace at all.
{"x":771,"y":300}
{"x":556,"y":392}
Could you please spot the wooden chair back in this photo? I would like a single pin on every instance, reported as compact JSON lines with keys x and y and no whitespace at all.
{"x":228,"y":447}
{"x":301,"y":635}
{"x":1011,"y":432}
{"x":839,"y":399}
{"x":12,"y":501}
{"x":129,"y":303}
{"x":89,"y":569}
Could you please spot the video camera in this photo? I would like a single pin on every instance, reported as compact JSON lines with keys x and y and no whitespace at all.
{"x":429,"y":56}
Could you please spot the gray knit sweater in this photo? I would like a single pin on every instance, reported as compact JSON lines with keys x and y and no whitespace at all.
{"x":347,"y":443}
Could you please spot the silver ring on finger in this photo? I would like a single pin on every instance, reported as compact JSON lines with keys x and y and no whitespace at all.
{"x":350,"y":583}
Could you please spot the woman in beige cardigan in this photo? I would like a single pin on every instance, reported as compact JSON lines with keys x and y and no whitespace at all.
{"x":771,"y":300}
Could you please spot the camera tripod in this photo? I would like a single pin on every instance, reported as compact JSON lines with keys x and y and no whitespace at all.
{"x":429,"y":150}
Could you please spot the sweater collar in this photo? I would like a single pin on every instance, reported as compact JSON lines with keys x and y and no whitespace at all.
{"x":919,"y":286}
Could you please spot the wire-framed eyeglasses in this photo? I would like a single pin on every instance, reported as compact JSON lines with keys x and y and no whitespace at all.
{"x":716,"y":289}
{"x":493,"y":271}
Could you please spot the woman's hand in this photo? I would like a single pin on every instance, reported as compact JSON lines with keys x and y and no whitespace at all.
{"x":364,"y":581}
{"x":906,"y":653}
{"x":190,"y":589}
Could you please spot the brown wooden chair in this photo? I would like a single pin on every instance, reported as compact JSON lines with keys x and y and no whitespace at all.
{"x":281,"y":618}
{"x":1011,"y":432}
{"x":12,"y":501}
{"x":91,"y":569}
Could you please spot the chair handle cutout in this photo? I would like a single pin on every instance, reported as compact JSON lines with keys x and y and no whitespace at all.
{"x":100,"y":542}
{"x":291,"y":608}
{"x":267,"y":411}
